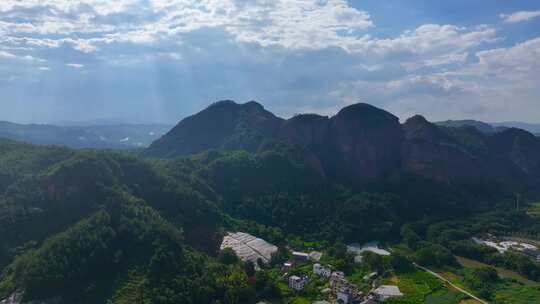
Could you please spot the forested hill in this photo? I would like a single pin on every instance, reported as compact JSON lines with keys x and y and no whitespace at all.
{"x":111,"y":227}
{"x":362,"y":142}
{"x":105,"y":227}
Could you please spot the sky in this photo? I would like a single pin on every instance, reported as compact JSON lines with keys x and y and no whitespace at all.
{"x":161,"y":60}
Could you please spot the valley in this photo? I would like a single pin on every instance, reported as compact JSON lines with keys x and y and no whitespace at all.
{"x":149,"y":227}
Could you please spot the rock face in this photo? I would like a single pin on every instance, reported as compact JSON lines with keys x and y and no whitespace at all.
{"x":368,"y":140}
{"x":516,"y":154}
{"x":510,"y":156}
{"x":308,"y":131}
{"x":362,"y":142}
{"x":430,"y":153}
{"x":17,"y":298}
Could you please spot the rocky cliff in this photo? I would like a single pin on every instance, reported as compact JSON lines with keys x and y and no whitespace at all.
{"x":362,"y":142}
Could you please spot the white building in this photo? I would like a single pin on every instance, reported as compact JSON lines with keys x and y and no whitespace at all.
{"x":297,"y":283}
{"x":385,"y":292}
{"x":371,"y":276}
{"x":345,"y":291}
{"x":374,"y":247}
{"x":249,"y":248}
{"x":343,"y":297}
{"x":315,"y":256}
{"x":322,"y":271}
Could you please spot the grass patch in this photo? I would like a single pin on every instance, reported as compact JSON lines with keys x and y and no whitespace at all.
{"x":534,"y":210}
{"x":515,"y":293}
{"x":445,"y":296}
{"x":416,"y":287}
{"x":504,"y":273}
{"x":300,"y":300}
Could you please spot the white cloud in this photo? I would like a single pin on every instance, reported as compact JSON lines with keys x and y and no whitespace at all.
{"x":433,"y":37}
{"x":11,"y":56}
{"x":102,"y":7}
{"x":293,"y":24}
{"x":431,"y":45}
{"x":44,"y":68}
{"x":417,"y":69}
{"x":519,"y":63}
{"x":520,"y":16}
{"x":75,"y":65}
{"x":502,"y":83}
{"x":287,"y":24}
{"x":6,"y":55}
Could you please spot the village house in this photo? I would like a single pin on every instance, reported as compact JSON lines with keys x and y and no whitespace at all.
{"x":344,"y":291}
{"x":322,"y":271}
{"x":300,"y":256}
{"x":315,"y":256}
{"x":297,"y":283}
{"x":287,"y":266}
{"x":369,"y":277}
{"x":385,"y":292}
{"x":532,"y":253}
{"x":248,"y":247}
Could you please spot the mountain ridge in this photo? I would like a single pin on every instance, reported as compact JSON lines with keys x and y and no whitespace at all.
{"x":110,"y":136}
{"x":361,"y":142}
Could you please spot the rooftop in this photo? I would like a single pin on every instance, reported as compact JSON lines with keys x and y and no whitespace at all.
{"x":248,"y":247}
{"x":388,"y":290}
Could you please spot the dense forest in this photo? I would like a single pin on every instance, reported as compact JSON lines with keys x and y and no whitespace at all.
{"x":116,"y":227}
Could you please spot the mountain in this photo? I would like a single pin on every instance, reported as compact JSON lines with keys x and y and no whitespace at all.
{"x":89,"y":226}
{"x":224,"y":124}
{"x":85,"y":226}
{"x":481,"y":126}
{"x":533,"y":128}
{"x":362,"y":143}
{"x":118,"y":136}
{"x":491,"y":127}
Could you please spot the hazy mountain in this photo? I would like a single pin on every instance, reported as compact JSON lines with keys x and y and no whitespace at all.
{"x":533,"y":128}
{"x":481,"y":126}
{"x":491,"y":127}
{"x":110,"y":136}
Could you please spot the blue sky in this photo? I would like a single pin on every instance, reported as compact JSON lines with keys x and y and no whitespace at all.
{"x":160,"y":60}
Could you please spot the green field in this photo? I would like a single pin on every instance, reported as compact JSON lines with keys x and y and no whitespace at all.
{"x":421,"y":287}
{"x":534,"y":209}
{"x":444,"y":296}
{"x":504,"y":273}
{"x":515,"y":293}
{"x":512,"y":289}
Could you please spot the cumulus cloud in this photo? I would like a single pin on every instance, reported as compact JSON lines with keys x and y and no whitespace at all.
{"x":11,"y":56}
{"x":321,"y":53}
{"x":432,"y":44}
{"x":7,"y":55}
{"x":520,"y":16}
{"x":75,"y":65}
{"x":501,"y":83}
{"x":285,"y":23}
{"x":519,"y":63}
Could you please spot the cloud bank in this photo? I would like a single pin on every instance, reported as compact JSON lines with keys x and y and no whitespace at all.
{"x":160,"y":60}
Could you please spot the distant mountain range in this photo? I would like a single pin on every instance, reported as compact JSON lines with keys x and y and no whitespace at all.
{"x":109,"y":136}
{"x":533,"y":128}
{"x":491,"y":127}
{"x":363,"y":142}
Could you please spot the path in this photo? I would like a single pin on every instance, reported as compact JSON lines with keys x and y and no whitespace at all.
{"x":451,"y":284}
